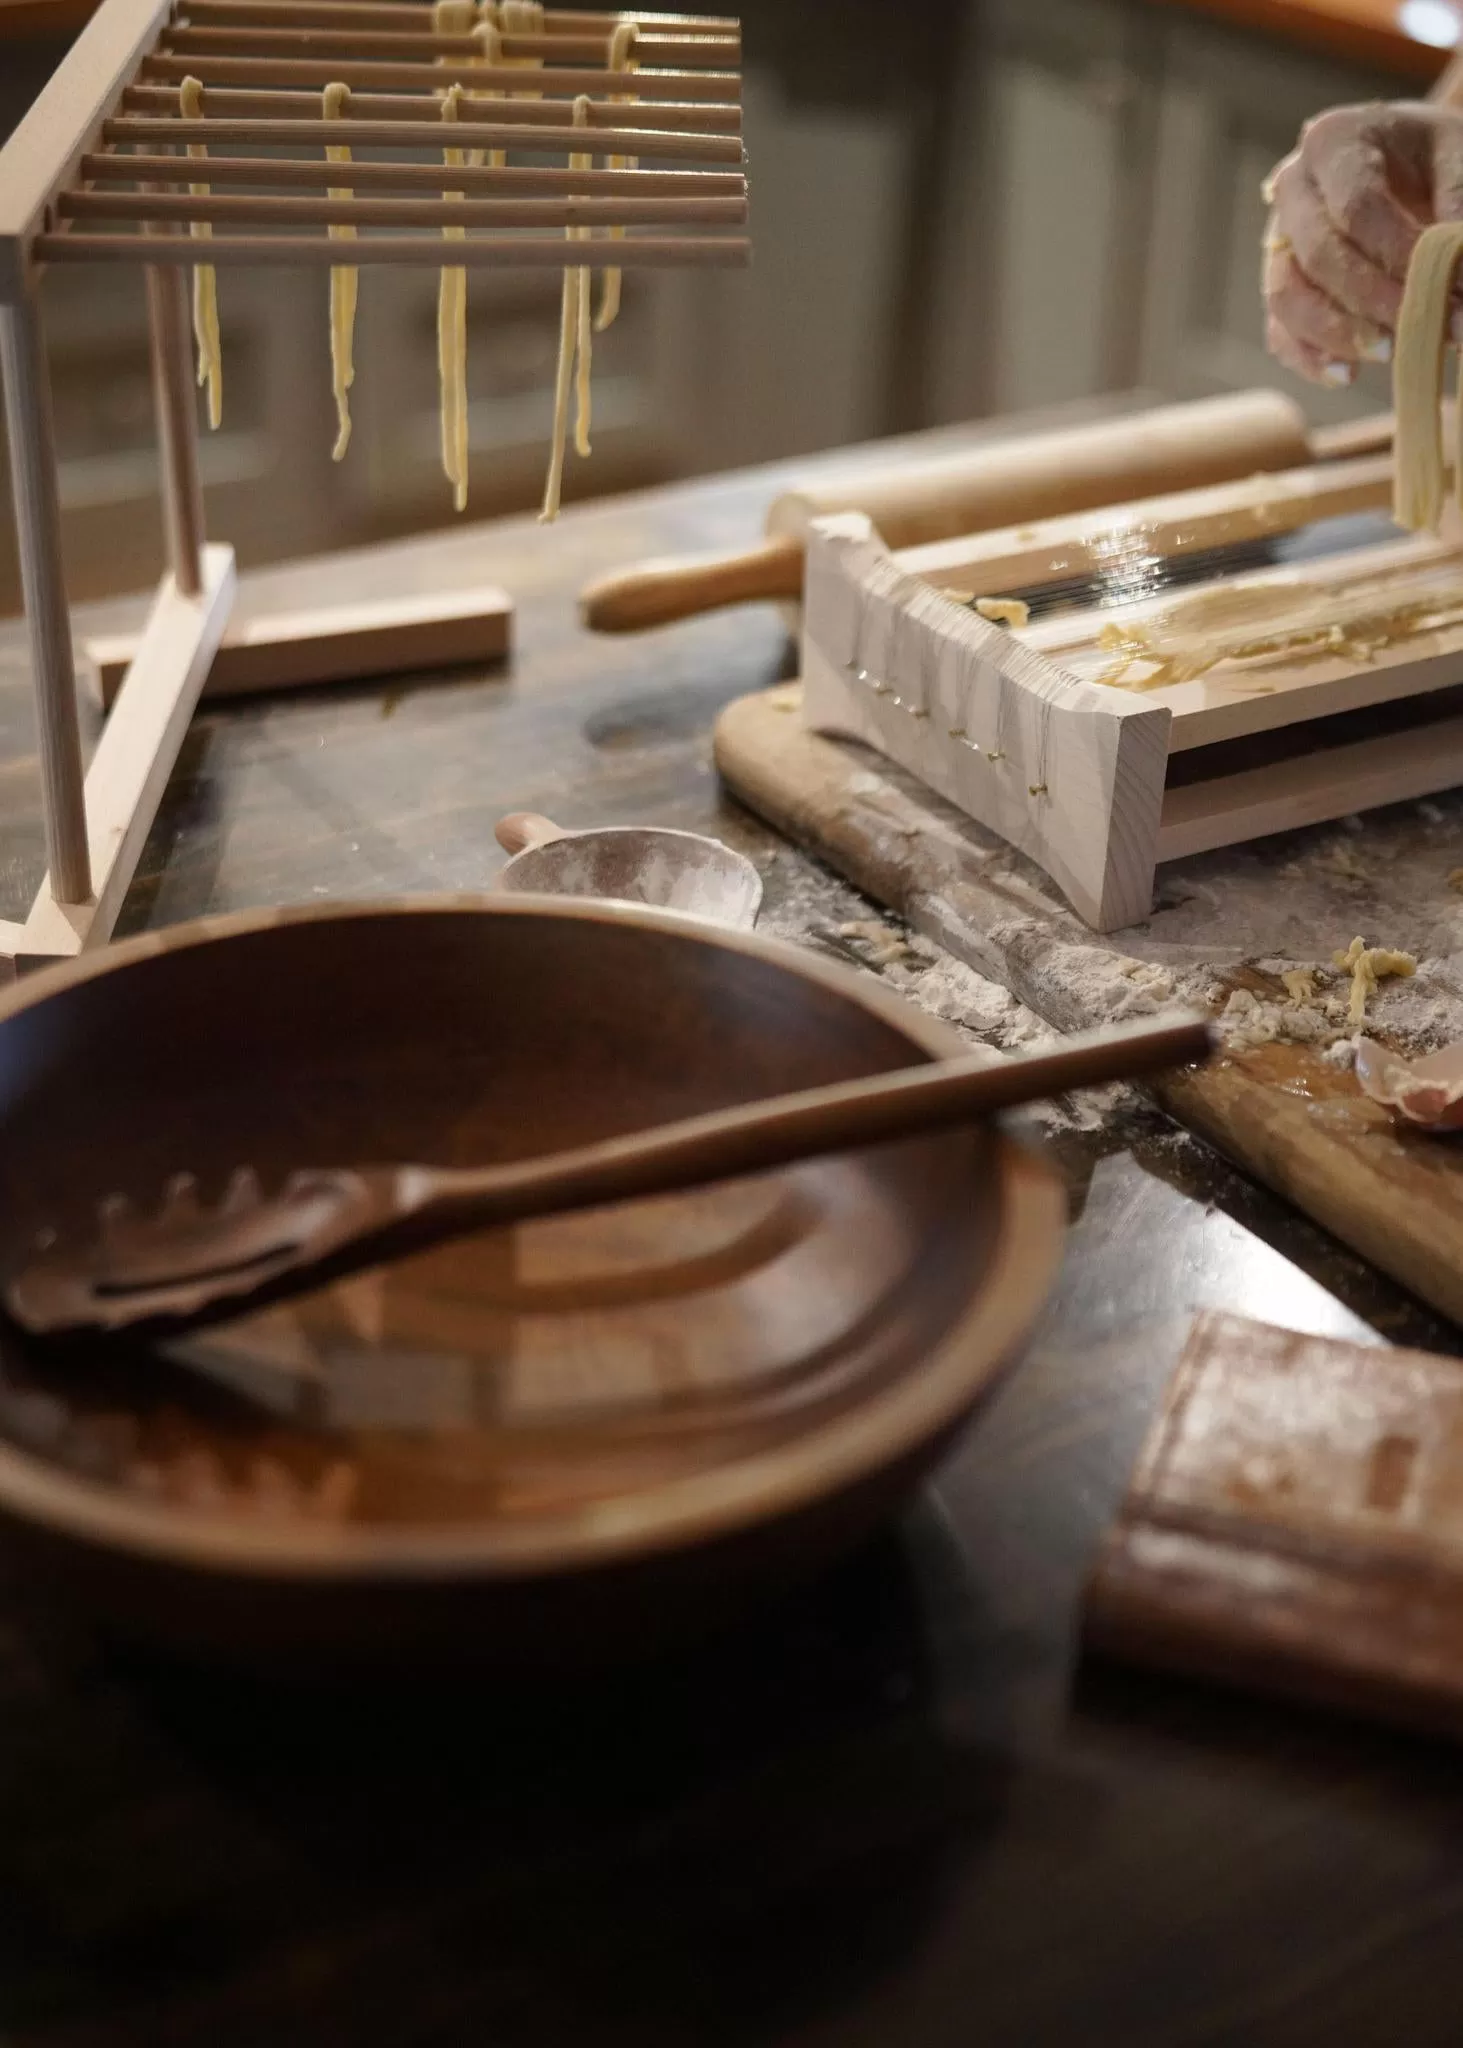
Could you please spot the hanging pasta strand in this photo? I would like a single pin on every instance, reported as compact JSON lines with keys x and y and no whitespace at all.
{"x":574,"y":343}
{"x":515,"y":18}
{"x":344,"y":280}
{"x":1417,"y":381}
{"x":489,"y":39}
{"x":453,"y":17}
{"x":621,"y":58}
{"x":205,"y":278}
{"x":584,"y":310}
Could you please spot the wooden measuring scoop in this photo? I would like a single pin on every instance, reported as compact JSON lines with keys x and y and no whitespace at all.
{"x":649,"y":864}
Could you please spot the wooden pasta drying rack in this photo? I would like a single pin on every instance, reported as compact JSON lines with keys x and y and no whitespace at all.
{"x":1098,"y":785}
{"x":97,"y":173}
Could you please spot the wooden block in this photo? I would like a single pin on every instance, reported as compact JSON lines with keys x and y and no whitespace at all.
{"x":135,"y":757}
{"x":338,"y":643}
{"x":1295,"y":1523}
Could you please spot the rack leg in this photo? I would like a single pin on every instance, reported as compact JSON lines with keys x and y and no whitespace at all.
{"x":38,"y":520}
{"x":177,"y":421}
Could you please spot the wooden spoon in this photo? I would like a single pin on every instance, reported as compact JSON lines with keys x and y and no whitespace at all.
{"x":190,"y":1264}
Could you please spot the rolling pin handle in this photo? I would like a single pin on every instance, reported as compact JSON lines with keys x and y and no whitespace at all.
{"x":661,"y":593}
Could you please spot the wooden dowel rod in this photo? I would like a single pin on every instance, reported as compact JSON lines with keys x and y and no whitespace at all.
{"x":301,"y":210}
{"x":722,"y":87}
{"x":638,"y":142}
{"x":31,"y":435}
{"x":714,"y":52}
{"x":512,"y":181}
{"x":505,"y":252}
{"x":170,"y":335}
{"x":369,"y":14}
{"x":675,"y":115}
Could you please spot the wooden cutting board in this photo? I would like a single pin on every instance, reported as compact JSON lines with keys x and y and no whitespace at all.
{"x":1222,"y":922}
{"x":1293,"y":1524}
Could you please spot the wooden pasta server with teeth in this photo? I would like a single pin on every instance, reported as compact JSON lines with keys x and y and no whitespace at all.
{"x":200,"y":135}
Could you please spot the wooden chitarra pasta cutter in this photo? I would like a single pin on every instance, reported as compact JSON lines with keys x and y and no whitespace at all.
{"x":1169,"y":701}
{"x":98,"y":172}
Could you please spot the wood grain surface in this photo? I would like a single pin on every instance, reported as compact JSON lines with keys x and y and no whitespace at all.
{"x":1283,"y":1112}
{"x":881,"y":1813}
{"x":1293,"y":1525}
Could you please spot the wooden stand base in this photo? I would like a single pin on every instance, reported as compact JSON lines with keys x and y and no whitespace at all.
{"x":133,"y":761}
{"x":340,"y":643}
{"x":150,"y":684}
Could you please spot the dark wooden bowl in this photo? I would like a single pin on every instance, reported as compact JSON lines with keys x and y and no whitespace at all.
{"x":537,"y":1445}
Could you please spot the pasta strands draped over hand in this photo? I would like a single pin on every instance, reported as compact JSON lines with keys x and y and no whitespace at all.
{"x":344,"y":281}
{"x":575,"y":344}
{"x":205,"y":278}
{"x":1417,"y":381}
{"x":622,"y":44}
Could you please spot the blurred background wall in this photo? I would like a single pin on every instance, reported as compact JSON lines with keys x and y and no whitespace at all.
{"x":960,"y":207}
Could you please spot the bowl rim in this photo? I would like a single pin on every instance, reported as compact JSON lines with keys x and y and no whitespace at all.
{"x":674,"y":1514}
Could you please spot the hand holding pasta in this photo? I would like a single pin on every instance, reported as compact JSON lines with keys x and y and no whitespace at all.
{"x":1348,"y":207}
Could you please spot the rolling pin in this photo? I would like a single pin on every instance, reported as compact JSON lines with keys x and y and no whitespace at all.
{"x":1003,"y":483}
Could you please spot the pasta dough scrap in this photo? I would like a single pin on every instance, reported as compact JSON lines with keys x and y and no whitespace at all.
{"x":1266,"y":622}
{"x":344,"y":280}
{"x":1004,"y":611}
{"x":1417,"y":380}
{"x":575,"y":342}
{"x":620,"y":58}
{"x":1367,"y":966}
{"x":205,"y":278}
{"x":1300,"y":985}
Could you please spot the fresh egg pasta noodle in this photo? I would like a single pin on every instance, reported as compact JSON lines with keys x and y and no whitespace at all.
{"x":517,"y":18}
{"x":575,"y":342}
{"x":205,"y":278}
{"x":1417,"y":380}
{"x":453,"y":17}
{"x":344,"y":280}
{"x":620,"y":58}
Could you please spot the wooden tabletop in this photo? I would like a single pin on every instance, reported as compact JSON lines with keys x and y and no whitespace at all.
{"x":893,"y":1812}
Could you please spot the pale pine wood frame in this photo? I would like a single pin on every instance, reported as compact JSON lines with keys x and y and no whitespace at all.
{"x":106,"y":96}
{"x":1070,"y":773}
{"x":96,"y":824}
{"x":1074,"y":774}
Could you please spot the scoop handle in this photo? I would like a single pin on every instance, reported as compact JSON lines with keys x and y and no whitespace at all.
{"x":522,"y":829}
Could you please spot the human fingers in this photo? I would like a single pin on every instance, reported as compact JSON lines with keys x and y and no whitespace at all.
{"x":1308,"y":318}
{"x":1337,"y":266}
{"x":1307,"y":362}
{"x":1364,"y":161}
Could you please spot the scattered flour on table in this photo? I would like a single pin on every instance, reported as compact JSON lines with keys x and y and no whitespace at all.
{"x":1249,"y":933}
{"x":810,"y":908}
